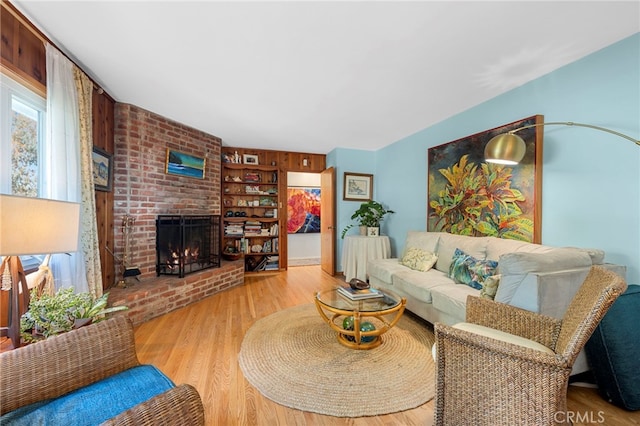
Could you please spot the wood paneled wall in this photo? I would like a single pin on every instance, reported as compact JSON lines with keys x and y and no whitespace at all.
{"x":22,"y":51}
{"x":286,"y":161}
{"x":23,"y":58}
{"x":103,"y":137}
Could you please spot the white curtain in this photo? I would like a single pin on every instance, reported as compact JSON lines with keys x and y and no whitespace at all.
{"x":89,"y":225}
{"x":62,"y":180}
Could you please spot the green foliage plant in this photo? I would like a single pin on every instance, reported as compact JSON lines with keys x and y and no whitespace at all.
{"x":479,"y":201}
{"x":24,"y":155}
{"x":50,"y":315}
{"x":370,"y":214}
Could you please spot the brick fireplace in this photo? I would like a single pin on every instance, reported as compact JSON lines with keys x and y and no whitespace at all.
{"x":143,"y":190}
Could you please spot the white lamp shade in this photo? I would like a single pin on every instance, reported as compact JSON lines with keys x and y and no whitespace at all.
{"x":37,"y":226}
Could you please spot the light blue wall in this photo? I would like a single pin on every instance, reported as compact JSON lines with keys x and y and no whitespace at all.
{"x":355,"y":161}
{"x":591,"y":179}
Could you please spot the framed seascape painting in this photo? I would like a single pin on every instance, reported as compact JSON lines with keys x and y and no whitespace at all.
{"x":181,"y":164}
{"x":468,"y":196}
{"x":357,"y":187}
{"x":102,"y":169}
{"x":303,"y":210}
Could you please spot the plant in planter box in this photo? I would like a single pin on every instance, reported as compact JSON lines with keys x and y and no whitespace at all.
{"x":369,"y":214}
{"x":50,"y":315}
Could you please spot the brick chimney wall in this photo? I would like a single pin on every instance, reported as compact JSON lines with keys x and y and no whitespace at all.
{"x":143,"y":190}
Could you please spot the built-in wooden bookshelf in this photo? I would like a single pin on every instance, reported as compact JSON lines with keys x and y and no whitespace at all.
{"x":271,"y":168}
{"x":250,"y":203}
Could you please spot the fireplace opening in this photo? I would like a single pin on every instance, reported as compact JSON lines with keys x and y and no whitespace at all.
{"x":186,"y":244}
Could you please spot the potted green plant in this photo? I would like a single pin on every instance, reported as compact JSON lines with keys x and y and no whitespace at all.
{"x":50,"y":315}
{"x":368,"y":215}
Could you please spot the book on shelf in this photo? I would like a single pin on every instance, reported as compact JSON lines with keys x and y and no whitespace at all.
{"x":272,"y":263}
{"x":353,"y":294}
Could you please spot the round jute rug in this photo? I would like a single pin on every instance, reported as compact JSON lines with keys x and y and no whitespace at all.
{"x":293,"y":358}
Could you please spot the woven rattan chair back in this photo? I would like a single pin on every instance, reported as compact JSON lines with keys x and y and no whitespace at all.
{"x":600,"y":289}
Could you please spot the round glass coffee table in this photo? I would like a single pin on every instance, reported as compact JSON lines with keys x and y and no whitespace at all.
{"x":360,"y":324}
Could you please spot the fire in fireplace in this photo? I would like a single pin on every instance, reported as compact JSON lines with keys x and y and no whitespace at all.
{"x":186,"y":244}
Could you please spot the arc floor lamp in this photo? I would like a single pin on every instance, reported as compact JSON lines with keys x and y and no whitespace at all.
{"x":509,"y":148}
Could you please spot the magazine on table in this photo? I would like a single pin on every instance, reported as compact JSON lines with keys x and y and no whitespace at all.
{"x":353,"y":294}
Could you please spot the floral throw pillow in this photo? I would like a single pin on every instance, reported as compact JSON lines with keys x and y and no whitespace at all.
{"x":418,"y":259}
{"x":466,"y":269}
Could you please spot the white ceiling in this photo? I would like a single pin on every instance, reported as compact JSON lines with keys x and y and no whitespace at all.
{"x":313,"y":76}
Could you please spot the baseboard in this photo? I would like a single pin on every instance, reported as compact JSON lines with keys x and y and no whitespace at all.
{"x":304,"y":261}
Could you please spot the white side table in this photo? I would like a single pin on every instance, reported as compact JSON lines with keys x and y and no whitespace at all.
{"x":358,"y":250}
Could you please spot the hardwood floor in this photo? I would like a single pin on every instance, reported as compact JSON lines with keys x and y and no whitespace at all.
{"x":199,"y":345}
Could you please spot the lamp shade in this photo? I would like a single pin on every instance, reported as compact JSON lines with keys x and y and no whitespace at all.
{"x":37,"y":226}
{"x":506,"y":148}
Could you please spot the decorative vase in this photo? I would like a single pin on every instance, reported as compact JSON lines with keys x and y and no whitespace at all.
{"x":373,"y":231}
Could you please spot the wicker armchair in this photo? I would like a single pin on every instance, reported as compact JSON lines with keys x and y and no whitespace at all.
{"x":484,"y":380}
{"x":63,"y":363}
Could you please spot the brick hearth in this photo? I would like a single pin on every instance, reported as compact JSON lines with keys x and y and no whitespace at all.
{"x":157,"y":296}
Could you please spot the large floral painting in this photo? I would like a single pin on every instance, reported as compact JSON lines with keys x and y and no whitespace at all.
{"x":468,"y":196}
{"x":303,"y":210}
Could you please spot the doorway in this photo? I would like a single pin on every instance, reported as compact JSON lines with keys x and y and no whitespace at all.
{"x":303,"y":218}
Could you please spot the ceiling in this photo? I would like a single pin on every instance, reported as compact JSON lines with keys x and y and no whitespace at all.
{"x":313,"y":76}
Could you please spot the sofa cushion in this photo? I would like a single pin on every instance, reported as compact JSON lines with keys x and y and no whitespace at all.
{"x":476,"y":247}
{"x":97,"y":402}
{"x":384,"y":269}
{"x":419,"y":284}
{"x":419,"y":259}
{"x":466,"y":269}
{"x":427,"y":241}
{"x":514,"y":267}
{"x":502,"y":336}
{"x":452,"y":299}
{"x":596,"y":255}
{"x":496,"y":247}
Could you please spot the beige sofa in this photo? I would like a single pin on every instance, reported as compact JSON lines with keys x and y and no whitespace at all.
{"x":535,"y":277}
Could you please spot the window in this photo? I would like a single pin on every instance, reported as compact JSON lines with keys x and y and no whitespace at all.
{"x":22,"y":128}
{"x":22,"y":120}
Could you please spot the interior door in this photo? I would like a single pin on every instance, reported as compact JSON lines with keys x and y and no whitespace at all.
{"x":328,"y":219}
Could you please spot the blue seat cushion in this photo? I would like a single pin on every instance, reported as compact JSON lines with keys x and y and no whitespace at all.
{"x":96,"y":403}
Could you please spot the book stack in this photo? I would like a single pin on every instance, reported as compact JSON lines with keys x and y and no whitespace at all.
{"x":233,"y":230}
{"x":353,"y":294}
{"x":252,"y":228}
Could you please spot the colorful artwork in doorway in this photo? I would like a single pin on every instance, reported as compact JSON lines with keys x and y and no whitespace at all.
{"x":303,"y":210}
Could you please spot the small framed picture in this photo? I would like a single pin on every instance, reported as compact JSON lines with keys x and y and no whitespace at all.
{"x":250,"y":159}
{"x":357,"y":187}
{"x":102,"y":169}
{"x":181,"y":164}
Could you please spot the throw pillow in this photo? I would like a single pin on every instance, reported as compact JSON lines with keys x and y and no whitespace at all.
{"x":418,"y":259}
{"x":490,"y":287}
{"x":458,"y":269}
{"x":466,"y":269}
